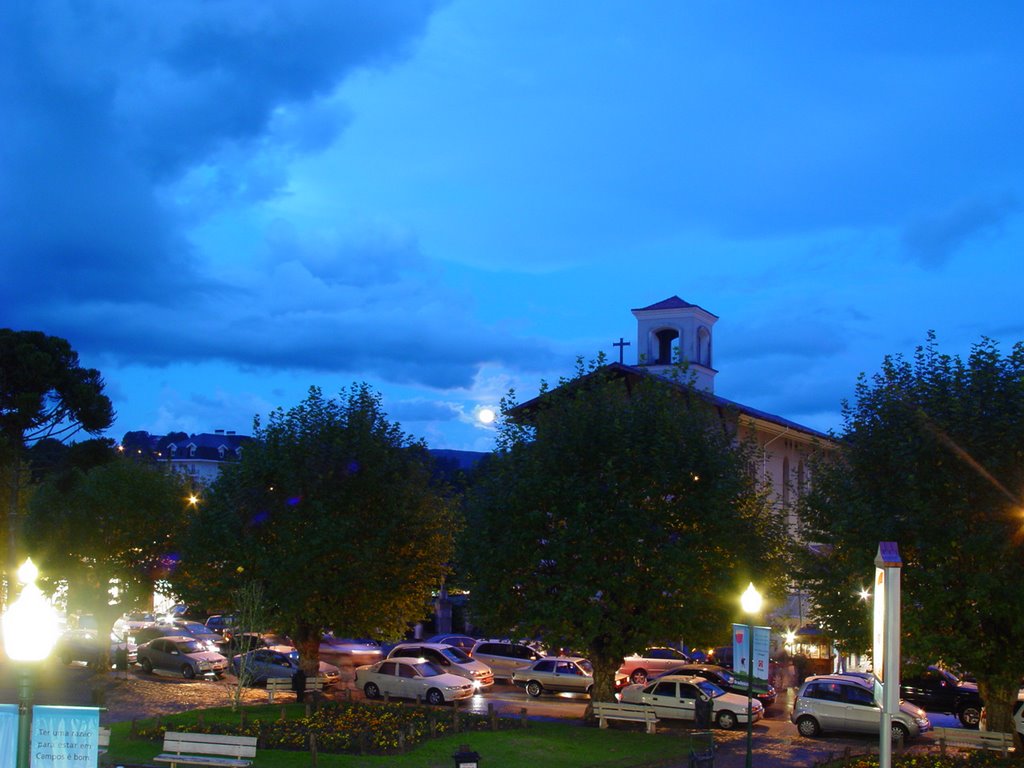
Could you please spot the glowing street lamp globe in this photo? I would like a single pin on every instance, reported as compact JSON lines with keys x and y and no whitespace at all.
{"x":30,"y":623}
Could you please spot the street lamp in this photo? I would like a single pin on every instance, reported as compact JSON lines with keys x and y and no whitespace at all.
{"x":30,"y":632}
{"x":750,"y":601}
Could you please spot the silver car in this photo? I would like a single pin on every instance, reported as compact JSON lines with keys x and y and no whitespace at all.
{"x":843,"y":703}
{"x":182,"y":654}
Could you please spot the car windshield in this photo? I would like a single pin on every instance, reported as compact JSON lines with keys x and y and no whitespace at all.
{"x":728,"y":678}
{"x":454,"y":654}
{"x":189,"y":646}
{"x":710,"y":689}
{"x":428,"y":669}
{"x":193,"y":626}
{"x":950,"y":677}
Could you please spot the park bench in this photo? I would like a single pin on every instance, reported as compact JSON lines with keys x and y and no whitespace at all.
{"x":636,"y":713}
{"x":967,"y":737}
{"x":103,"y":740}
{"x":279,"y":684}
{"x":214,"y":749}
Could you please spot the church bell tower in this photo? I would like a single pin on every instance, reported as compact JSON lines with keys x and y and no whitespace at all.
{"x":675,"y":331}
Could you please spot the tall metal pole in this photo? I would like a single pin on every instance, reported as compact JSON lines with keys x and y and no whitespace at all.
{"x":25,"y":672}
{"x":750,"y":695}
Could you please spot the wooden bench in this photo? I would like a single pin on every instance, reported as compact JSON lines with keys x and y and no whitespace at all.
{"x":635,"y":713}
{"x":207,"y":749}
{"x":967,"y":737}
{"x":103,"y":740}
{"x":279,"y":684}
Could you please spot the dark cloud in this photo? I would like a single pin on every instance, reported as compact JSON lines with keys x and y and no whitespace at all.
{"x":124,"y":122}
{"x":932,"y":240}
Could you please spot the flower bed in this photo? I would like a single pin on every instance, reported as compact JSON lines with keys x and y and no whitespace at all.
{"x":342,"y":727}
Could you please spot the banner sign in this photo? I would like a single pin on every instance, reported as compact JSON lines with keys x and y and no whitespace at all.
{"x":63,"y":737}
{"x":741,"y":650}
{"x":8,"y":734}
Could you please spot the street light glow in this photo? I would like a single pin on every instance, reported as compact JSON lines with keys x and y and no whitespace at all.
{"x":750,"y":601}
{"x":30,"y":623}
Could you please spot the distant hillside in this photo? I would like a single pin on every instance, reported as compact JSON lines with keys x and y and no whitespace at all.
{"x":464,"y":460}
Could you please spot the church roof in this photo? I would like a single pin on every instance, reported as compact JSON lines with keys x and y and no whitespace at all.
{"x":714,"y":400}
{"x":674,"y":302}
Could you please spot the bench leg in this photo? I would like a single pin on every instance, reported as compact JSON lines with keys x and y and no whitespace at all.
{"x":602,"y":722}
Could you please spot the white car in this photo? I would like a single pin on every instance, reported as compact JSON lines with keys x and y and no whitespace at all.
{"x":675,"y":697}
{"x":641,"y":667}
{"x":450,"y":659}
{"x":412,"y":678}
{"x":181,"y":654}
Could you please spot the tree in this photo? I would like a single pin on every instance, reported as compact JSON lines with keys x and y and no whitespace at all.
{"x":932,"y":457}
{"x":109,"y":531}
{"x":617,"y":512}
{"x":44,"y":393}
{"x":333,"y":511}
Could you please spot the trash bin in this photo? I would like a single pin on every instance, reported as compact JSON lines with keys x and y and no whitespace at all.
{"x":702,"y":749}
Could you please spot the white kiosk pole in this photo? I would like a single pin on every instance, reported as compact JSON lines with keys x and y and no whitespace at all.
{"x":886,"y":654}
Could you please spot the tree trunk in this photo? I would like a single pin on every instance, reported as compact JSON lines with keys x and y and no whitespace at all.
{"x":307,"y":641}
{"x":999,"y":695}
{"x":604,"y":681}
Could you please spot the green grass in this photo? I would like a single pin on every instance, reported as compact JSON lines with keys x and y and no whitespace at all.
{"x":540,"y":745}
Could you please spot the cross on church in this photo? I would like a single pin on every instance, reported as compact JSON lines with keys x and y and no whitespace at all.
{"x":621,"y":343}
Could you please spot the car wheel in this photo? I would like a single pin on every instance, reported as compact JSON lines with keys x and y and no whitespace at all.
{"x":726,"y":720}
{"x":808,"y":726}
{"x":187,"y":672}
{"x":534,"y":688}
{"x":435,"y":697}
{"x":970,"y":716}
{"x":371,"y":690}
{"x":899,"y":733}
{"x":638,"y":676}
{"x":147,"y":666}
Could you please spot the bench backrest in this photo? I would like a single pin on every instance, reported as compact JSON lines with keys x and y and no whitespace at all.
{"x":104,"y":738}
{"x":285,"y":683}
{"x":610,"y":708}
{"x":209,"y":744}
{"x":985,"y":739}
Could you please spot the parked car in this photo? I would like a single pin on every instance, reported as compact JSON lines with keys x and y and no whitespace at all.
{"x":153,"y":631}
{"x":87,"y":645}
{"x":830,"y":703}
{"x":264,"y":663}
{"x":504,"y":657}
{"x":571,"y":674}
{"x":939,"y":690}
{"x":727,"y":681}
{"x":464,"y":642}
{"x":221,"y":623}
{"x":652,"y":661}
{"x":448,"y":658}
{"x":198,"y":630}
{"x":676,"y":696}
{"x":129,"y":623}
{"x":412,"y":678}
{"x":182,"y":654}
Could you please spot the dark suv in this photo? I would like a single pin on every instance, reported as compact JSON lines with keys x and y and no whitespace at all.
{"x":939,"y":690}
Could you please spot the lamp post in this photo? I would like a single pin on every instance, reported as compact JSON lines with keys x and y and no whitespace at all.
{"x":30,"y":631}
{"x":750,"y":601}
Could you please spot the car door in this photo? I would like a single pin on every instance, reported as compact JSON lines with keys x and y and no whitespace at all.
{"x":664,"y":697}
{"x":927,"y":691}
{"x":829,"y":704}
{"x":862,"y":713}
{"x":409,"y":682}
{"x":569,"y":677}
{"x":388,"y":680}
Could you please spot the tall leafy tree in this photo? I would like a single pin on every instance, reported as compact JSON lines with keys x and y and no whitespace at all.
{"x":332,"y":509}
{"x":108,"y":532}
{"x":932,"y":457}
{"x":617,"y":512}
{"x":44,"y":394}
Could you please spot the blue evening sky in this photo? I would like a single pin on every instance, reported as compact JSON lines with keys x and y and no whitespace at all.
{"x":220,"y":204}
